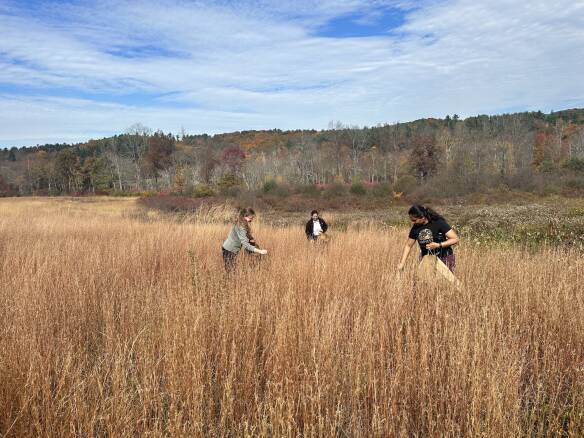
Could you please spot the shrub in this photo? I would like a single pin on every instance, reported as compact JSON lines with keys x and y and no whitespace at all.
{"x":381,"y":190}
{"x":574,"y":183}
{"x":550,"y":190}
{"x":281,"y":191}
{"x":406,"y":184}
{"x":269,"y":186}
{"x":228,"y":180}
{"x":228,"y":184}
{"x":121,"y":194}
{"x":336,"y":190}
{"x":575,"y":165}
{"x":310,"y":190}
{"x":548,"y":166}
{"x":231,"y":192}
{"x":357,"y":189}
{"x":246,"y":198}
{"x":203,"y":191}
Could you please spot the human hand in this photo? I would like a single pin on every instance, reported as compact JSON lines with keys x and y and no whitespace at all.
{"x":262,"y":251}
{"x":400,"y":267}
{"x":432,"y":245}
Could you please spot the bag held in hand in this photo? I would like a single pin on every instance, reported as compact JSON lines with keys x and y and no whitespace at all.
{"x":432,"y":269}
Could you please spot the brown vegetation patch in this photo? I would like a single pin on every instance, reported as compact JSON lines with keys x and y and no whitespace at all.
{"x":128,"y":328}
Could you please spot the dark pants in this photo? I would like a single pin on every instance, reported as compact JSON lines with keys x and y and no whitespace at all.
{"x":228,"y":259}
{"x":449,"y":261}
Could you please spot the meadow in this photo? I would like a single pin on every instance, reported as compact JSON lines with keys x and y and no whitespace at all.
{"x":118,"y":321}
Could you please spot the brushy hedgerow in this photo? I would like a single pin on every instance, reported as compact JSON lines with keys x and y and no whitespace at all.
{"x":526,"y":225}
{"x":112,"y":325}
{"x":535,"y":224}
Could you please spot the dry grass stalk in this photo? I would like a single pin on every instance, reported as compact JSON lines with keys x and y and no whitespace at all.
{"x":122,"y":327}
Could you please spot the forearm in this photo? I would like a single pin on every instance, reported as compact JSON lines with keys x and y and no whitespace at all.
{"x":450,"y":242}
{"x":405,"y":254}
{"x":249,"y":246}
{"x":243,"y":239}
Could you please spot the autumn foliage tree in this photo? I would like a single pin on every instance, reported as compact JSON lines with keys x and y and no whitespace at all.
{"x":67,"y":170}
{"x":5,"y":188}
{"x":464,"y":155}
{"x":540,"y":149}
{"x":233,"y":158}
{"x":424,"y":157}
{"x":158,"y":157}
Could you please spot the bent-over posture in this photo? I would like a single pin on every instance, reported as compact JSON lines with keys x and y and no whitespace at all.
{"x":433,"y":234}
{"x":238,"y":237}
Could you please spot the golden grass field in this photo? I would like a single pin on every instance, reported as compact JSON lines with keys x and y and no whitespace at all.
{"x":119,"y":323}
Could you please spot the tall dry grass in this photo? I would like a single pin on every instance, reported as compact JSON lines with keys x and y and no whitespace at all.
{"x":112,"y":326}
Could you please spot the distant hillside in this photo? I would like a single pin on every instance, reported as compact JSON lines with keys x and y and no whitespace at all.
{"x":529,"y":151}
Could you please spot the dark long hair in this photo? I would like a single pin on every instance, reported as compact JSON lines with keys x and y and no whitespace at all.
{"x":248,"y":211}
{"x":419,"y":211}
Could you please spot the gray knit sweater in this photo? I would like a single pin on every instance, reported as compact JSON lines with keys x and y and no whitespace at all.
{"x":236,"y":239}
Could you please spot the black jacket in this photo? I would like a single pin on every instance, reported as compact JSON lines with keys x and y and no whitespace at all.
{"x":309,"y":227}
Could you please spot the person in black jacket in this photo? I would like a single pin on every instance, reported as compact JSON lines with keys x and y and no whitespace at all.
{"x":315,"y":227}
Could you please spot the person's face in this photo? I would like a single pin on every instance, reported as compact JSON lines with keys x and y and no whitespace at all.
{"x":248,"y":219}
{"x":315,"y":216}
{"x":418,"y":220}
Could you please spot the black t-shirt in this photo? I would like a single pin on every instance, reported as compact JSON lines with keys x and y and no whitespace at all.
{"x":433,"y":231}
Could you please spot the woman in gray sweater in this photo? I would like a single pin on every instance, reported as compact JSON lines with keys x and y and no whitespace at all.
{"x":240,"y":236}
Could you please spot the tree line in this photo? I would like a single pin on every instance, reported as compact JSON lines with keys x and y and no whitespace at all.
{"x":524,"y":151}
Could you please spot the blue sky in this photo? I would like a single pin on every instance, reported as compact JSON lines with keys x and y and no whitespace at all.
{"x":74,"y":70}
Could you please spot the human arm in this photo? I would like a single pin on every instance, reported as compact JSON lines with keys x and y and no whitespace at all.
{"x":406,"y":252}
{"x":253,"y":242}
{"x":308,"y":228}
{"x":242,"y":235}
{"x":451,"y":239}
{"x":323,"y":225}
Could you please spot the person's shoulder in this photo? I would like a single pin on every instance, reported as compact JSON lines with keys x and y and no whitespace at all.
{"x":441,"y":222}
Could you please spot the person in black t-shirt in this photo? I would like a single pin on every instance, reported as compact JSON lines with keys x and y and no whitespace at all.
{"x":433,"y":235}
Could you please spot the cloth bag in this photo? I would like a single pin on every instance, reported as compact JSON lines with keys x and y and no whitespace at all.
{"x":433,"y":270}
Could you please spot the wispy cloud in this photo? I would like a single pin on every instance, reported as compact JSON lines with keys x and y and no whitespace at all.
{"x":79,"y":69}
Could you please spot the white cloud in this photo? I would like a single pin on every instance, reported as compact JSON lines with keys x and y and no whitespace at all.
{"x":258,"y":64}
